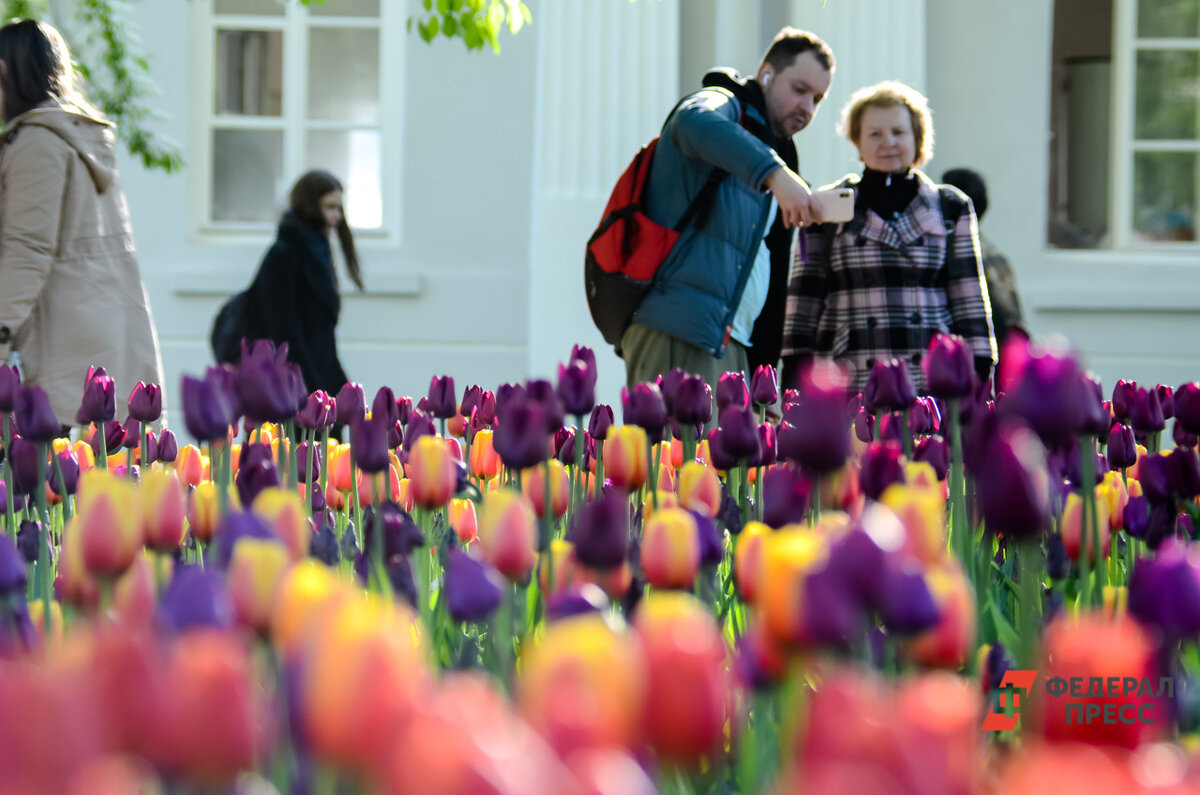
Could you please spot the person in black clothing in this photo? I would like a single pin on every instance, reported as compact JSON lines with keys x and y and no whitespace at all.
{"x":295,"y":295}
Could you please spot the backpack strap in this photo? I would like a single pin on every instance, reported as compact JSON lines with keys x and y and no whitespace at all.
{"x":698,"y":209}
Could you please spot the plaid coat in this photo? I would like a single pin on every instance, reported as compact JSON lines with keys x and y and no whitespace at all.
{"x":874,"y":289}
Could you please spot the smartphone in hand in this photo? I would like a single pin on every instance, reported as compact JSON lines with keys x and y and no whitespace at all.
{"x":837,"y":204}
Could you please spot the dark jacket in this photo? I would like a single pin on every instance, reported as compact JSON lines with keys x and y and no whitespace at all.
{"x":294,"y":299}
{"x":885,"y":289}
{"x":698,"y":288}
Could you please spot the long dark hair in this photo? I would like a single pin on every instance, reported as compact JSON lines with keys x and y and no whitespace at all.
{"x":38,"y":67}
{"x":305,"y":204}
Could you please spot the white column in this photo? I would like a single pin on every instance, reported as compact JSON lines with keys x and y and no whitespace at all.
{"x":608,"y":75}
{"x":872,"y":40}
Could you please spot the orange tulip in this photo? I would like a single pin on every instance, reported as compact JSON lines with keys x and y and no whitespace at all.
{"x":433,"y":475}
{"x":164,"y":508}
{"x":108,"y":522}
{"x":689,"y":688}
{"x":406,"y":495}
{"x":788,"y":556}
{"x":457,"y":426}
{"x":369,"y":487}
{"x":204,"y":513}
{"x":666,"y":499}
{"x":533,"y":486}
{"x":508,"y":533}
{"x":363,"y":672}
{"x":1072,"y":527}
{"x":748,"y":558}
{"x":485,"y":461}
{"x":626,"y":458}
{"x":84,"y":455}
{"x":308,"y":588}
{"x":462,"y":519}
{"x":582,"y":685}
{"x":285,"y":512}
{"x":699,"y":488}
{"x":190,"y":465}
{"x":670,"y":550}
{"x":339,"y":468}
{"x":256,"y":571}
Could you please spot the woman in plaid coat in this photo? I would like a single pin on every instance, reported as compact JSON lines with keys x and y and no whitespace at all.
{"x":904,"y":268}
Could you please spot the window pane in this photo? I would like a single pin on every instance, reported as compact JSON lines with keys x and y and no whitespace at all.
{"x":344,"y":8}
{"x":353,"y":157}
{"x":249,"y":79}
{"x":343,"y":74}
{"x":247,"y":174}
{"x":1165,"y":19}
{"x":1164,"y":195}
{"x":1168,"y":94}
{"x":257,"y":7}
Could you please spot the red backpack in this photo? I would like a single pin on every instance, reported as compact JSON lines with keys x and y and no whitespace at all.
{"x":627,"y":248}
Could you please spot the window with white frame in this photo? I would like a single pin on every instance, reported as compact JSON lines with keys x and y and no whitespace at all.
{"x":1125,"y":122}
{"x":289,"y":87}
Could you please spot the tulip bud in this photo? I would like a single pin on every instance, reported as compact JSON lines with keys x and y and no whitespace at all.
{"x":432,"y":473}
{"x":256,"y":571}
{"x":462,"y":518}
{"x":10,"y":381}
{"x":145,"y":402}
{"x":670,"y":552}
{"x":764,"y":385}
{"x":108,"y":522}
{"x":748,"y":558}
{"x":485,"y":462}
{"x":34,"y":415}
{"x":443,"y":397}
{"x":948,"y":366}
{"x":508,"y":533}
{"x":731,"y":391}
{"x":99,"y":403}
{"x":626,"y":459}
{"x":533,"y":485}
{"x":1187,"y":406}
{"x":164,"y":506}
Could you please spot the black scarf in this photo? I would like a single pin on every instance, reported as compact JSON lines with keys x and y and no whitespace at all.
{"x":887,"y":194}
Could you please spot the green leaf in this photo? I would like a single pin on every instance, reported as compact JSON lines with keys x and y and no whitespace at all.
{"x":443,"y":7}
{"x":1005,"y":632}
{"x":450,"y":26}
{"x":428,"y":5}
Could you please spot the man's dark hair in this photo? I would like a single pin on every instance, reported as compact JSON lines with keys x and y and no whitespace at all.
{"x":305,"y":204}
{"x":790,"y":42}
{"x":37,"y":66}
{"x":971,"y":183}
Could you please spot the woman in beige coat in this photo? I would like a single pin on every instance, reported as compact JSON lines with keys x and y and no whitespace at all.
{"x":71,"y":294}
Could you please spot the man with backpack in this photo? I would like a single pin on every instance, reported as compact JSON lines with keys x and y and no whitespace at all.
{"x":725,"y":163}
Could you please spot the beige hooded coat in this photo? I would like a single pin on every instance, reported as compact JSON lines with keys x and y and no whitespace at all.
{"x":71,"y":294}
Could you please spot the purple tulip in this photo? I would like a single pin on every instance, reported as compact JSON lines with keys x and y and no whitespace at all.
{"x":207,"y":411}
{"x":785,"y":496}
{"x":949,"y":367}
{"x":522,"y":433}
{"x":34,"y":415}
{"x":324,"y":542}
{"x":1145,"y":412}
{"x":908,"y":607}
{"x":1122,"y":399}
{"x":577,"y":382}
{"x":99,"y":398}
{"x":487,"y":408}
{"x":473,"y":589}
{"x":400,"y":533}
{"x":369,"y":444}
{"x":1152,"y":474}
{"x":506,"y":393}
{"x":1136,"y":517}
{"x":304,"y":465}
{"x":563,"y":445}
{"x":764,"y":385}
{"x":145,"y":402}
{"x":768,"y":446}
{"x":168,"y":448}
{"x":1187,"y":406}
{"x":711,"y":548}
{"x":10,"y":380}
{"x":934,"y":451}
{"x":472,"y":397}
{"x":668,"y":384}
{"x":889,"y":387}
{"x":113,"y":433}
{"x":133,"y":434}
{"x":69,"y":465}
{"x":23,"y":457}
{"x":1047,"y":397}
{"x":923,"y":417}
{"x":864,"y":426}
{"x":1183,"y":473}
{"x":882,"y":465}
{"x":195,"y":599}
{"x":833,"y":617}
{"x":731,"y":391}
{"x":576,"y":601}
{"x":1181,"y":437}
{"x":399,"y":574}
{"x":1161,"y":524}
{"x":29,"y":541}
{"x":350,"y":404}
{"x":1122,"y":448}
{"x":1164,"y":591}
{"x":235,"y":526}
{"x":256,"y":471}
{"x":1166,"y":400}
{"x":542,"y":391}
{"x":1093,"y":419}
{"x":443,"y":397}
{"x":264,"y":386}
{"x":12,"y":569}
{"x":693,"y":401}
{"x":644,"y":406}
{"x":718,"y":455}
{"x":820,"y":441}
{"x":600,"y":532}
{"x":738,"y":432}
{"x":318,"y":411}
{"x":419,"y":424}
{"x":1015,"y":496}
{"x":997,"y":663}
{"x":600,"y":421}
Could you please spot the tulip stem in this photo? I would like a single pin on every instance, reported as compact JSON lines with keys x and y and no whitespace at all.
{"x":62,"y":484}
{"x":1030,"y":604}
{"x":653,"y":474}
{"x":43,"y":562}
{"x":324,"y":459}
{"x":548,"y":530}
{"x":10,"y":521}
{"x":599,"y":469}
{"x":144,"y":431}
{"x":310,"y":436}
{"x":906,"y":435}
{"x":577,"y":474}
{"x":102,"y":460}
{"x":355,"y":502}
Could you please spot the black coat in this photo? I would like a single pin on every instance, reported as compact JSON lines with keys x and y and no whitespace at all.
{"x":294,"y":299}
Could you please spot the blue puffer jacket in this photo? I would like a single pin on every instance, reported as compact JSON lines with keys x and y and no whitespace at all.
{"x":698,"y":288}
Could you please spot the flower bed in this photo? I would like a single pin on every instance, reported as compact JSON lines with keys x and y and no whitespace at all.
{"x":506,"y":591}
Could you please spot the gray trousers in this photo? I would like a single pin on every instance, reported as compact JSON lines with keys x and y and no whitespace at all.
{"x":650,"y":353}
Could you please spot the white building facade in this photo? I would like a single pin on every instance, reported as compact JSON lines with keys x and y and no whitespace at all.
{"x":474,"y":179}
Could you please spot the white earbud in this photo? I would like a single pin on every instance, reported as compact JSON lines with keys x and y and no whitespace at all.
{"x":766,"y":78}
